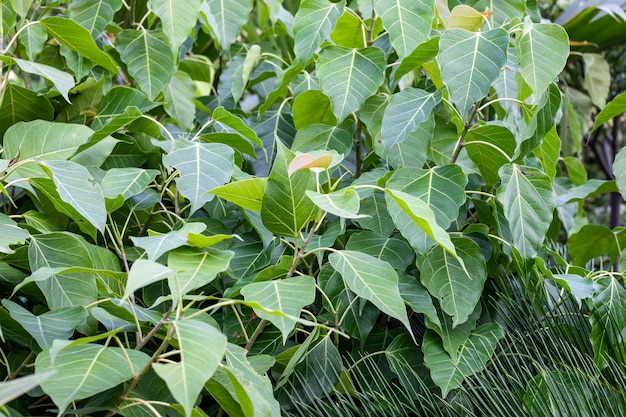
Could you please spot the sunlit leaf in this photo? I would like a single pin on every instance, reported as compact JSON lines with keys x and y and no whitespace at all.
{"x":312,"y":25}
{"x":93,"y":15}
{"x":177,"y":18}
{"x":407,"y":21}
{"x":158,"y":244}
{"x":226,"y":18}
{"x":144,"y":272}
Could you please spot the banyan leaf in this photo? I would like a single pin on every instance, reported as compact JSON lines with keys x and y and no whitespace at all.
{"x":349,"y":76}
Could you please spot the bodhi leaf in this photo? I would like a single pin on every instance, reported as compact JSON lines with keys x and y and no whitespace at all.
{"x":349,"y":76}
{"x":449,"y":371}
{"x":614,"y":108}
{"x":320,"y":136}
{"x":458,"y":289}
{"x":85,"y":370}
{"x":343,"y":203}
{"x":528,"y":200}
{"x":21,"y":104}
{"x":543,"y":50}
{"x":287,"y":296}
{"x":76,"y":187}
{"x":94,"y":15}
{"x":126,"y":182}
{"x":619,"y":169}
{"x":285,"y":207}
{"x":78,"y":39}
{"x":247,"y":193}
{"x":313,"y":24}
{"x":408,"y":22}
{"x":372,"y":279}
{"x":142,"y":273}
{"x":405,"y":112}
{"x":470,"y":62}
{"x":607,"y":318}
{"x":63,"y":81}
{"x":148,"y":57}
{"x":202,"y":167}
{"x":45,"y":328}
{"x":202,"y":348}
{"x":10,"y":234}
{"x":179,"y":99}
{"x":157,"y":244}
{"x":16,"y":387}
{"x":394,"y":250}
{"x":178,"y":17}
{"x":226,"y":18}
{"x":195,"y":268}
{"x":490,"y":146}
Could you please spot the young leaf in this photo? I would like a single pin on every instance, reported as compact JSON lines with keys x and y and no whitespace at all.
{"x":148,"y":57}
{"x":313,"y":24}
{"x":305,"y":161}
{"x":408,"y":22}
{"x":85,"y":370}
{"x":202,"y":348}
{"x":246,"y":193}
{"x":349,"y":76}
{"x":470,"y":62}
{"x":287,"y":296}
{"x":528,"y":200}
{"x":543,"y":50}
{"x":202,"y":167}
{"x":177,"y":18}
{"x":405,"y":112}
{"x":78,"y":39}
{"x":457,"y":288}
{"x":285,"y":207}
{"x":372,"y":279}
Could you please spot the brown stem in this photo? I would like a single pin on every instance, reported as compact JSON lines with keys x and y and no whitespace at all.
{"x":255,"y":335}
{"x":461,"y":141}
{"x":357,"y":144}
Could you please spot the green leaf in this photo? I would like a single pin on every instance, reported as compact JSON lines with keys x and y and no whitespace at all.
{"x":608,"y":319}
{"x":372,"y":279}
{"x":319,"y":136}
{"x":63,"y":81}
{"x":285,"y":207}
{"x":465,"y":17}
{"x":542,"y":52}
{"x":350,"y":31}
{"x":592,"y":241}
{"x":226,"y":19}
{"x":405,"y":112}
{"x":158,"y":244}
{"x":350,"y":76}
{"x":313,"y":24}
{"x":423,"y":53}
{"x":93,"y":15}
{"x":144,"y":272}
{"x":202,"y":167}
{"x":597,"y":78}
{"x":549,"y":152}
{"x":66,"y":250}
{"x":202,"y":348}
{"x":21,"y":7}
{"x":614,"y":108}
{"x":77,"y":188}
{"x":408,"y":22}
{"x":343,"y":203}
{"x":179,"y":95}
{"x":10,"y":234}
{"x":490,"y":145}
{"x":247,"y":193}
{"x":528,"y":200}
{"x":148,"y":57}
{"x":15,"y":388}
{"x":126,"y":182}
{"x":178,"y":18}
{"x":447,"y":371}
{"x":619,"y":169}
{"x":286,"y":296}
{"x":195,"y":268}
{"x":416,"y":296}
{"x":420,"y":213}
{"x":589,"y":189}
{"x":78,"y":39}
{"x":396,"y":252}
{"x":312,"y":107}
{"x":45,"y":328}
{"x":225,"y":121}
{"x":470,"y":62}
{"x":85,"y":370}
{"x":33,"y":38}
{"x":457,"y":288}
{"x":22,"y":105}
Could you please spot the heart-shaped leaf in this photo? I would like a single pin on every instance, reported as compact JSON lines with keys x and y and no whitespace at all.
{"x":408,"y":22}
{"x":178,"y":17}
{"x":312,"y":25}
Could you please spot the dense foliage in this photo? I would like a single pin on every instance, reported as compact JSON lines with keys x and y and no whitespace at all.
{"x":243,"y":206}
